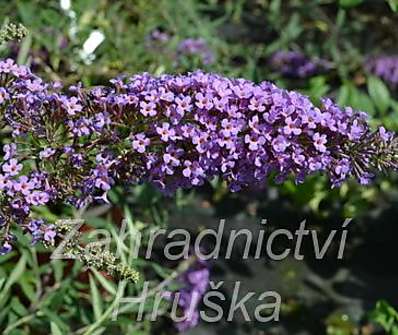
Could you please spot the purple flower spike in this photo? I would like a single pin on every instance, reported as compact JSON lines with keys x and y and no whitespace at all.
{"x":191,"y":46}
{"x":384,"y":67}
{"x":174,"y":131}
{"x":195,"y":282}
{"x":297,"y":65}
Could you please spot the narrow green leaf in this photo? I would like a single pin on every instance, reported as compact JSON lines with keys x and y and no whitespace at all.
{"x":58,"y":267}
{"x":23,"y":53}
{"x":12,"y":278}
{"x":53,"y":316}
{"x":2,"y":280}
{"x":99,"y":331}
{"x":7,"y":257}
{"x":17,"y":307}
{"x":106,"y":284}
{"x":350,"y":3}
{"x":349,"y":95}
{"x":55,"y":329}
{"x":393,"y":5}
{"x":379,"y":93}
{"x":362,"y":102}
{"x":97,"y":300}
{"x":344,"y":95}
{"x":26,"y":282}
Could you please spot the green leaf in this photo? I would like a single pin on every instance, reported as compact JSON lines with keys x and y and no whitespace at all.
{"x":2,"y":280}
{"x":362,"y":102}
{"x":393,"y":5}
{"x":350,"y":3}
{"x":23,"y":53}
{"x":349,"y":95}
{"x":344,"y":95}
{"x":5,"y":258}
{"x":99,"y":331}
{"x":106,"y":284}
{"x":379,"y":94}
{"x":97,"y":301}
{"x":17,"y":307}
{"x":27,"y":287}
{"x":54,"y":317}
{"x":318,"y":87}
{"x":12,"y":278}
{"x":386,"y":316}
{"x":58,"y":267}
{"x":55,"y":329}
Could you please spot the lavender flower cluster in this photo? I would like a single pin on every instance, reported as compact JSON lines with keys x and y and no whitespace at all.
{"x":196,"y":46}
{"x":384,"y":67}
{"x":195,"y":282}
{"x":296,"y":65}
{"x":71,"y":146}
{"x":159,"y":36}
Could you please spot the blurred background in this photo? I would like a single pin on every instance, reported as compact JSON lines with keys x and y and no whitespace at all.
{"x":341,"y":49}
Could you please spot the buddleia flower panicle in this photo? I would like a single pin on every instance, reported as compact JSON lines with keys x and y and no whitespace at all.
{"x":194,"y":283}
{"x":198,"y":47}
{"x":72,"y":145}
{"x":297,"y":65}
{"x":384,"y":67}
